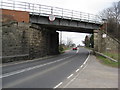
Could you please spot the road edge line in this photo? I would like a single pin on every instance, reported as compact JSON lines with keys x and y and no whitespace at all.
{"x":80,"y":71}
{"x":58,"y":85}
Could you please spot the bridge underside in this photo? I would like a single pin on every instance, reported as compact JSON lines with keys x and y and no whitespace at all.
{"x":64,"y":24}
{"x":65,"y":28}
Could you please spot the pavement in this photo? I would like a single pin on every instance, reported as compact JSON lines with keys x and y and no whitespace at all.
{"x":94,"y":75}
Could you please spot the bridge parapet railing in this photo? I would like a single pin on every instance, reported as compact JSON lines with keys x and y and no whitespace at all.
{"x":44,"y":10}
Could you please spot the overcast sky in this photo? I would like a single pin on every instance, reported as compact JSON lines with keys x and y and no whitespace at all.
{"x":88,"y":6}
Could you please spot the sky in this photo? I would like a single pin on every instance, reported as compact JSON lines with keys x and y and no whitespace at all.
{"x":88,"y":6}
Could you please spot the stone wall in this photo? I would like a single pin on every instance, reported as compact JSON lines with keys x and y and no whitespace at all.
{"x":105,"y":44}
{"x":13,"y":43}
{"x":21,"y":42}
{"x":43,"y":42}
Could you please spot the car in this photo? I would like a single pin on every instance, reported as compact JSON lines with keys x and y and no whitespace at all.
{"x":75,"y":48}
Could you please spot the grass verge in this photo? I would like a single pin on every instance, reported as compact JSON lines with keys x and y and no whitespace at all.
{"x":62,"y":50}
{"x":107,"y":62}
{"x":112,"y":55}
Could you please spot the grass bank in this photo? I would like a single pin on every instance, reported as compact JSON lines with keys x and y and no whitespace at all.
{"x":107,"y":62}
{"x":63,"y":49}
{"x":112,"y":55}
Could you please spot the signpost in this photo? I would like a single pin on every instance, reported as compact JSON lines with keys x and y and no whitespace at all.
{"x":104,"y":35}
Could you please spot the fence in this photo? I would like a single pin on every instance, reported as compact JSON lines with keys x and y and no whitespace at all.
{"x":43,"y":10}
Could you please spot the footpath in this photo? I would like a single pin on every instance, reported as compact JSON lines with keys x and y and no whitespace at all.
{"x":95,"y":75}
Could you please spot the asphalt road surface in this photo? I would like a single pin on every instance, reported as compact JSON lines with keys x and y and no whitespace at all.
{"x":47,"y":73}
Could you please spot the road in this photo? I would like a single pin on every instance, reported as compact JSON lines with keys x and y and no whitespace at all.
{"x":47,"y":73}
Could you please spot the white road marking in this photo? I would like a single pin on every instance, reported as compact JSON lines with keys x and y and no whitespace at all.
{"x":84,"y":62}
{"x":77,"y":70}
{"x":81,"y":66}
{"x":84,"y":67}
{"x":58,"y":85}
{"x":74,"y":78}
{"x":86,"y":59}
{"x":31,"y":68}
{"x":78,"y":73}
{"x":69,"y":76}
{"x":77,"y":51}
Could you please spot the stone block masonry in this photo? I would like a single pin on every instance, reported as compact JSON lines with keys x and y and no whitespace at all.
{"x":21,"y":41}
{"x":43,"y":42}
{"x":105,"y":44}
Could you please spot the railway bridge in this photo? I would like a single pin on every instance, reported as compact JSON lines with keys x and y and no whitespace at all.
{"x":49,"y":19}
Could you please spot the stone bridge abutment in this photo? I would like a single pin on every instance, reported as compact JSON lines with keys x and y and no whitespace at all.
{"x":27,"y":41}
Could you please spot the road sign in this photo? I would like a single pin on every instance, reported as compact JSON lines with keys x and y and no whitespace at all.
{"x":104,"y":35}
{"x":51,"y":17}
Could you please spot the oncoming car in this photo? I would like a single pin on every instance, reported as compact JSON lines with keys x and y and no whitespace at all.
{"x":75,"y":48}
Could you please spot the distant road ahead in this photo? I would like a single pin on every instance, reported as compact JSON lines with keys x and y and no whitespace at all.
{"x":47,"y":73}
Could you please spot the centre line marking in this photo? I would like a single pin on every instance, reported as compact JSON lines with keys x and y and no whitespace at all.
{"x":58,"y":85}
{"x":31,"y":68}
{"x":69,"y":76}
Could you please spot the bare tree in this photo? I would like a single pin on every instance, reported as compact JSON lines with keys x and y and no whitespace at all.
{"x":69,"y":42}
{"x":112,"y":15}
{"x":87,"y":41}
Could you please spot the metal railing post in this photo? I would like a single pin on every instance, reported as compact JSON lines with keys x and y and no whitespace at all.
{"x":62,"y":13}
{"x":57,"y":11}
{"x":33,"y":8}
{"x":25,"y":6}
{"x":88,"y":17}
{"x":72,"y":15}
{"x":52,"y":10}
{"x":1,"y":4}
{"x":29,"y":6}
{"x":13,"y":5}
{"x":39,"y":10}
{"x":95,"y":19}
{"x":80,"y":16}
